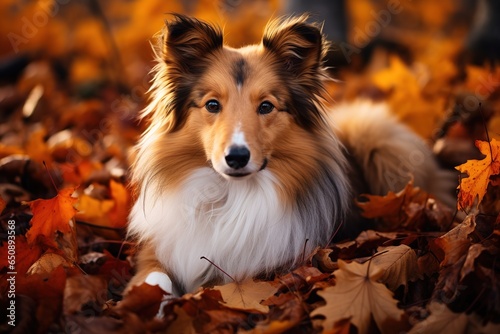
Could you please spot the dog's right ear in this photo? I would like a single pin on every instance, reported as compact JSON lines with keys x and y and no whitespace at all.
{"x":186,"y":42}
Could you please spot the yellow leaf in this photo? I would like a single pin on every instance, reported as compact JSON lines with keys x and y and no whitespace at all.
{"x":358,"y":295}
{"x":93,"y":210}
{"x":247,"y":295}
{"x":479,"y":172}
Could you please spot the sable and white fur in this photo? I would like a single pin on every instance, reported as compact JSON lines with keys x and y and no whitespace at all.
{"x":253,"y":220}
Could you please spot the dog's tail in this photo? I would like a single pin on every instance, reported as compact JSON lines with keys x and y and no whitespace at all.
{"x":388,"y":152}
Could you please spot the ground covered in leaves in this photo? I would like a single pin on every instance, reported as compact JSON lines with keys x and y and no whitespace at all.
{"x":68,"y":106}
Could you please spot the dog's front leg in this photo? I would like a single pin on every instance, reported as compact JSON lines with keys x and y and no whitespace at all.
{"x":150,"y":271}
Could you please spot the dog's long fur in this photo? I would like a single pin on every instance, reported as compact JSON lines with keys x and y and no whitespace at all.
{"x":253,"y":220}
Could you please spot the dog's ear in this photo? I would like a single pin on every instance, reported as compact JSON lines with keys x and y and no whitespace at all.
{"x":187,"y":41}
{"x":298,"y":44}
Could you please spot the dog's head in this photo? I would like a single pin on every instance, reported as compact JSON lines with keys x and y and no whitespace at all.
{"x":240,"y":105}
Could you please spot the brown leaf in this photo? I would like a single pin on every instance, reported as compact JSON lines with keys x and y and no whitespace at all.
{"x":247,"y":295}
{"x":455,"y":243}
{"x":399,"y":264}
{"x":47,"y":263}
{"x":394,"y":208}
{"x":47,"y":291}
{"x":441,"y":321}
{"x":358,"y":295}
{"x":183,"y":323}
{"x":84,"y":289}
{"x":143,"y":299}
{"x":473,"y":253}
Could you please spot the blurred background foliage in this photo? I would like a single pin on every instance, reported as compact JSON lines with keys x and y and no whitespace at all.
{"x":424,"y":57}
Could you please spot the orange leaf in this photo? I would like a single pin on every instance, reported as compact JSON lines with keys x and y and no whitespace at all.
{"x":391,"y":207}
{"x":479,"y":172}
{"x":51,"y":215}
{"x":119,"y":214}
{"x":36,"y":147}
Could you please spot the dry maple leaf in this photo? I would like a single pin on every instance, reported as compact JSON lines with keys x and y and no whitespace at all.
{"x":399,"y":264}
{"x":247,"y":295}
{"x":479,"y":172}
{"x":51,"y":215}
{"x":358,"y":295}
{"x":391,"y":207}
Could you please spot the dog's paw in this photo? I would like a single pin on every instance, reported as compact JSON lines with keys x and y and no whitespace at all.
{"x":165,"y":283}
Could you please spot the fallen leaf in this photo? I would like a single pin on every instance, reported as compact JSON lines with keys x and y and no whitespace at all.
{"x":441,"y":321}
{"x":120,"y":211}
{"x":247,"y":295}
{"x":455,"y":243}
{"x":399,"y":264}
{"x":26,"y":255}
{"x":479,"y":172}
{"x":359,"y":296}
{"x":392,"y":207}
{"x":472,"y":254}
{"x":93,"y":210}
{"x":183,"y":323}
{"x":51,"y":215}
{"x":143,"y":299}
{"x":47,"y":263}
{"x":82,"y":290}
{"x":47,"y":291}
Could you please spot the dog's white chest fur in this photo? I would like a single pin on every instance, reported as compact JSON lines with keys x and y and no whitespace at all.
{"x":242,"y":226}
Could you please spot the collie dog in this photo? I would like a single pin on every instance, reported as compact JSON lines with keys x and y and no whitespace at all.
{"x":243,"y":164}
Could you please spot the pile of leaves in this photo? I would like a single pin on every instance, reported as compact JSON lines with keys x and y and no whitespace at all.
{"x":68,"y":120}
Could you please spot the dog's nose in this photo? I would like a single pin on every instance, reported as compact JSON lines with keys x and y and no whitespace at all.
{"x":237,"y":157}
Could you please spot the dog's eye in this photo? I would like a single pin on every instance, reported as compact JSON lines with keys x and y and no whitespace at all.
{"x":213,"y":106}
{"x":265,"y":107}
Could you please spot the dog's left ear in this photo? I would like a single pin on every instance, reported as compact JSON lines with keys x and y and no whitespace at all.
{"x":300,"y":45}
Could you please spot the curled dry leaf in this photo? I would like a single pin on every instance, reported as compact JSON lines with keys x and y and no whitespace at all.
{"x":358,"y":295}
{"x":455,"y":243}
{"x":47,"y":263}
{"x":399,"y":264}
